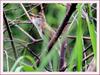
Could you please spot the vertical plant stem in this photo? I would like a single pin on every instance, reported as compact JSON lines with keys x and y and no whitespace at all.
{"x":92,"y":33}
{"x":7,"y":60}
{"x":79,"y":39}
{"x":10,"y":36}
{"x":78,"y":48}
{"x":62,"y":55}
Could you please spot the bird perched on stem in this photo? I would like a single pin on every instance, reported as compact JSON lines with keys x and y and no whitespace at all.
{"x":40,"y":23}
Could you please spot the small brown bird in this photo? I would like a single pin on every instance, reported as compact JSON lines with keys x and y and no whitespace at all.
{"x":38,"y":22}
{"x":41,"y":24}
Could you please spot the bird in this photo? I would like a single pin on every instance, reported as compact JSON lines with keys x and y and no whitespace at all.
{"x":37,"y":20}
{"x":41,"y":25}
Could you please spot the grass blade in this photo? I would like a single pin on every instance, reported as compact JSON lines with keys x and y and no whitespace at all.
{"x":92,"y":33}
{"x":79,"y":39}
{"x":78,"y":48}
{"x":20,"y":59}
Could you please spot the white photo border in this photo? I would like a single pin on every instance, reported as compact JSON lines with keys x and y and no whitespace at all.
{"x":74,"y":1}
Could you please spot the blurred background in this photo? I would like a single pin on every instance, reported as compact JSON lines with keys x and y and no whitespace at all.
{"x":54,"y":15}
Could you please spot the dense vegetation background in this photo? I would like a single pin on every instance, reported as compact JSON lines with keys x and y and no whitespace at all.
{"x":29,"y":27}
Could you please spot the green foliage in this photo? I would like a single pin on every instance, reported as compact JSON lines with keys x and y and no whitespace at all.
{"x":55,"y":14}
{"x":80,"y":26}
{"x":19,"y":60}
{"x":92,"y":31}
